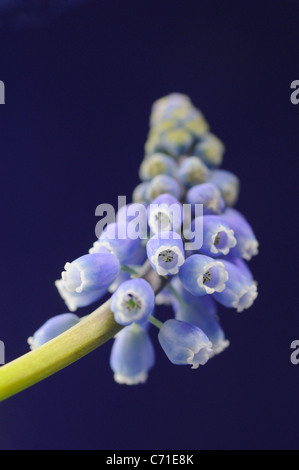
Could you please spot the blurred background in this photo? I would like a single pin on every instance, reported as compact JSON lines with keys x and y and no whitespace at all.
{"x":80,"y":83}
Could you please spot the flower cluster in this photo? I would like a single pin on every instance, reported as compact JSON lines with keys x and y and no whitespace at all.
{"x":179,"y":174}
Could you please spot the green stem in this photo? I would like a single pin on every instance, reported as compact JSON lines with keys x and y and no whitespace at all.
{"x":137,"y":271}
{"x":130,"y":270}
{"x":85,"y":337}
{"x":90,"y":333}
{"x":154,"y":321}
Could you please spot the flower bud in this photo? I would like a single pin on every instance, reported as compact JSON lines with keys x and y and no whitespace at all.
{"x":132,"y":356}
{"x":185,"y":344}
{"x":52,"y":328}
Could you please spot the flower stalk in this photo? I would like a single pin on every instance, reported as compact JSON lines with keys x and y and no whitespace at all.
{"x":92,"y":331}
{"x":89,"y":334}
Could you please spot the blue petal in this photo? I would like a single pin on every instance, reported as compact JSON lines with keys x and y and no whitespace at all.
{"x":117,"y":239}
{"x":203,"y":275}
{"x":74,"y":301}
{"x":209,"y":196}
{"x":240,"y":292}
{"x":132,"y":356}
{"x":52,"y":328}
{"x":184,"y":343}
{"x":247,"y":244}
{"x":199,"y":314}
{"x":91,"y":272}
{"x":203,"y":303}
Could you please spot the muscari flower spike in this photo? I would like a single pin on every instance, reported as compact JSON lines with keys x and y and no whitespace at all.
{"x":181,"y":166}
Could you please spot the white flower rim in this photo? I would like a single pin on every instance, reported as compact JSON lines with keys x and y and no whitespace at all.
{"x":155,"y":260}
{"x":252,"y":293}
{"x":220,"y":347}
{"x":66,"y":296}
{"x":250,"y":249}
{"x":223,"y":278}
{"x":98,"y":245}
{"x":69,"y":267}
{"x":137,"y":379}
{"x":206,"y":351}
{"x":231,"y":241}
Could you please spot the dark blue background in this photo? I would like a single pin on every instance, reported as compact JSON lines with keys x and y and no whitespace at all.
{"x":79,"y":93}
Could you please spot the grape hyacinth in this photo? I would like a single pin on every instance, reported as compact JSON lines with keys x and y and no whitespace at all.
{"x":185,"y":343}
{"x":180,"y":171}
{"x":165,"y":252}
{"x":132,"y":355}
{"x":133,"y":302}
